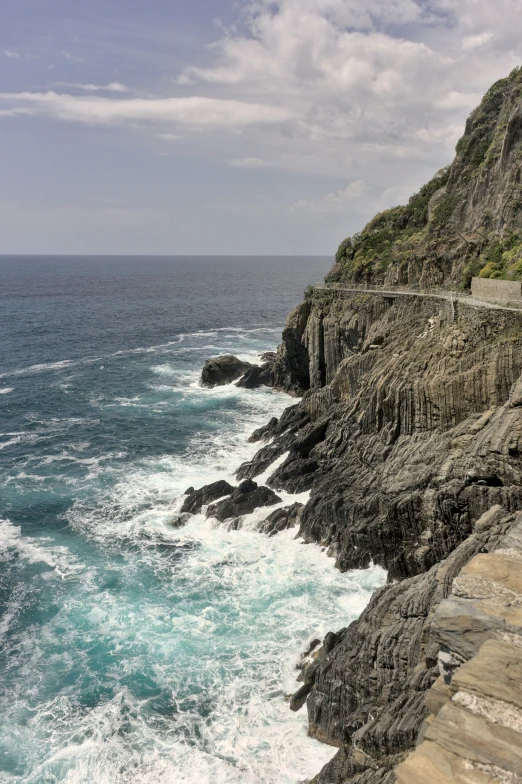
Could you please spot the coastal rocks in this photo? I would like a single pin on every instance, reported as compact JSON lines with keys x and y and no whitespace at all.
{"x":223,"y":370}
{"x":409,"y":443}
{"x":474,"y":730}
{"x":243,"y":500}
{"x":368,"y":688}
{"x":264,"y":432}
{"x":291,"y":365}
{"x":259,"y":375}
{"x":281,"y":519}
{"x":196,"y":499}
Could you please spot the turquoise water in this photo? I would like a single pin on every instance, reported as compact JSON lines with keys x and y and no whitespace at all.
{"x":131,"y":650}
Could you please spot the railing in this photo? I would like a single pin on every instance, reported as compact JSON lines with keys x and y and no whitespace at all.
{"x":430,"y":291}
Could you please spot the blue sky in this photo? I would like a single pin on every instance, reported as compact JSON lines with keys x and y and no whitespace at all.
{"x":253,"y":127}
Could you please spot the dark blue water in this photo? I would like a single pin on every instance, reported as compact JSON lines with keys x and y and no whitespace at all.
{"x":131,"y":650}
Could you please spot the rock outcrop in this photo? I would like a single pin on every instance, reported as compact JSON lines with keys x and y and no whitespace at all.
{"x":466,"y":221}
{"x":408,"y":433}
{"x":223,"y":370}
{"x":368,"y":685}
{"x":243,"y":500}
{"x":196,"y":499}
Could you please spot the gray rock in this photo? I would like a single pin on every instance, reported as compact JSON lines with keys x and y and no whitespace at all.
{"x":196,"y":499}
{"x":281,"y":519}
{"x":243,"y":500}
{"x":223,"y":370}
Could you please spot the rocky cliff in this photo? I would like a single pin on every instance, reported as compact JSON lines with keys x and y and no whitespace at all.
{"x":408,"y":435}
{"x":466,"y":221}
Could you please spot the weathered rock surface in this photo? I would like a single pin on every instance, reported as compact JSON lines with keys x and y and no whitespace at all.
{"x":368,"y":685}
{"x":196,"y":499}
{"x":402,"y":446}
{"x":223,"y":370}
{"x":410,"y":432}
{"x":259,"y":375}
{"x":243,"y":500}
{"x":473,"y":732}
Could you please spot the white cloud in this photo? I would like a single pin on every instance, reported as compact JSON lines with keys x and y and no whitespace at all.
{"x":474,"y":41}
{"x":12,"y":54}
{"x":375,"y":91}
{"x":249,"y":163}
{"x":112,"y":87}
{"x":195,"y":112}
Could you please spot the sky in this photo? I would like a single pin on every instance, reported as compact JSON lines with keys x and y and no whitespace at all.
{"x":223,"y":127}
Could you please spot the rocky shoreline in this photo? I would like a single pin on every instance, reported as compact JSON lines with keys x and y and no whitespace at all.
{"x":407,"y":433}
{"x":407,"y":469}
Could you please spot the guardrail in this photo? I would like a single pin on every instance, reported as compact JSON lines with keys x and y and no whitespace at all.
{"x":434,"y":291}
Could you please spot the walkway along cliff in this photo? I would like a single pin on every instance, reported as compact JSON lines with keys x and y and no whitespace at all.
{"x":408,"y":434}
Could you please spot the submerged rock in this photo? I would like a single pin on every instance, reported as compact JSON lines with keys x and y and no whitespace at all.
{"x":223,"y":370}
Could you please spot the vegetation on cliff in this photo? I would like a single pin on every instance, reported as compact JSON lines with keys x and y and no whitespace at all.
{"x":466,"y":221}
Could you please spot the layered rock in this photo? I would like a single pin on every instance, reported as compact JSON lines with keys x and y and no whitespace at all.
{"x":196,"y":499}
{"x":408,"y":434}
{"x":368,"y":688}
{"x":243,"y":500}
{"x":473,"y":732}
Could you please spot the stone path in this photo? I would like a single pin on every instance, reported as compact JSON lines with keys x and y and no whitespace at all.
{"x":450,"y":296}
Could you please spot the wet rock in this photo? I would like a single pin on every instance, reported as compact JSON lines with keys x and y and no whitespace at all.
{"x":196,"y":499}
{"x":223,"y":370}
{"x":265,"y":432}
{"x":179,"y":520}
{"x":281,"y":519}
{"x":256,"y":376}
{"x":247,"y":497}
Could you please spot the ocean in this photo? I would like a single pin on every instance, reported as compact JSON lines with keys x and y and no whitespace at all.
{"x":130,"y":650}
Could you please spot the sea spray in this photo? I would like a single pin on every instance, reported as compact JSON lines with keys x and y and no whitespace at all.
{"x":132,"y":651}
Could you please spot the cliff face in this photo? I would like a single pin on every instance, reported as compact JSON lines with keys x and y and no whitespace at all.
{"x":466,"y":221}
{"x":408,"y":435}
{"x":408,"y":431}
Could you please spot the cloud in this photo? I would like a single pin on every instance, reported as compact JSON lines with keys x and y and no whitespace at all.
{"x":73,"y":57}
{"x":194,"y":111}
{"x":474,"y":41}
{"x":375,"y":91}
{"x":249,"y":163}
{"x":333,"y":203}
{"x":112,"y":87}
{"x":12,"y":54}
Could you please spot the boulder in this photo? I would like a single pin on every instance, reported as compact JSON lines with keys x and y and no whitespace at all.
{"x":223,"y":370}
{"x":205,"y":495}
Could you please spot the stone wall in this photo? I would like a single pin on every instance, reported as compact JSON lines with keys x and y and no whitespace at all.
{"x":488,"y":288}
